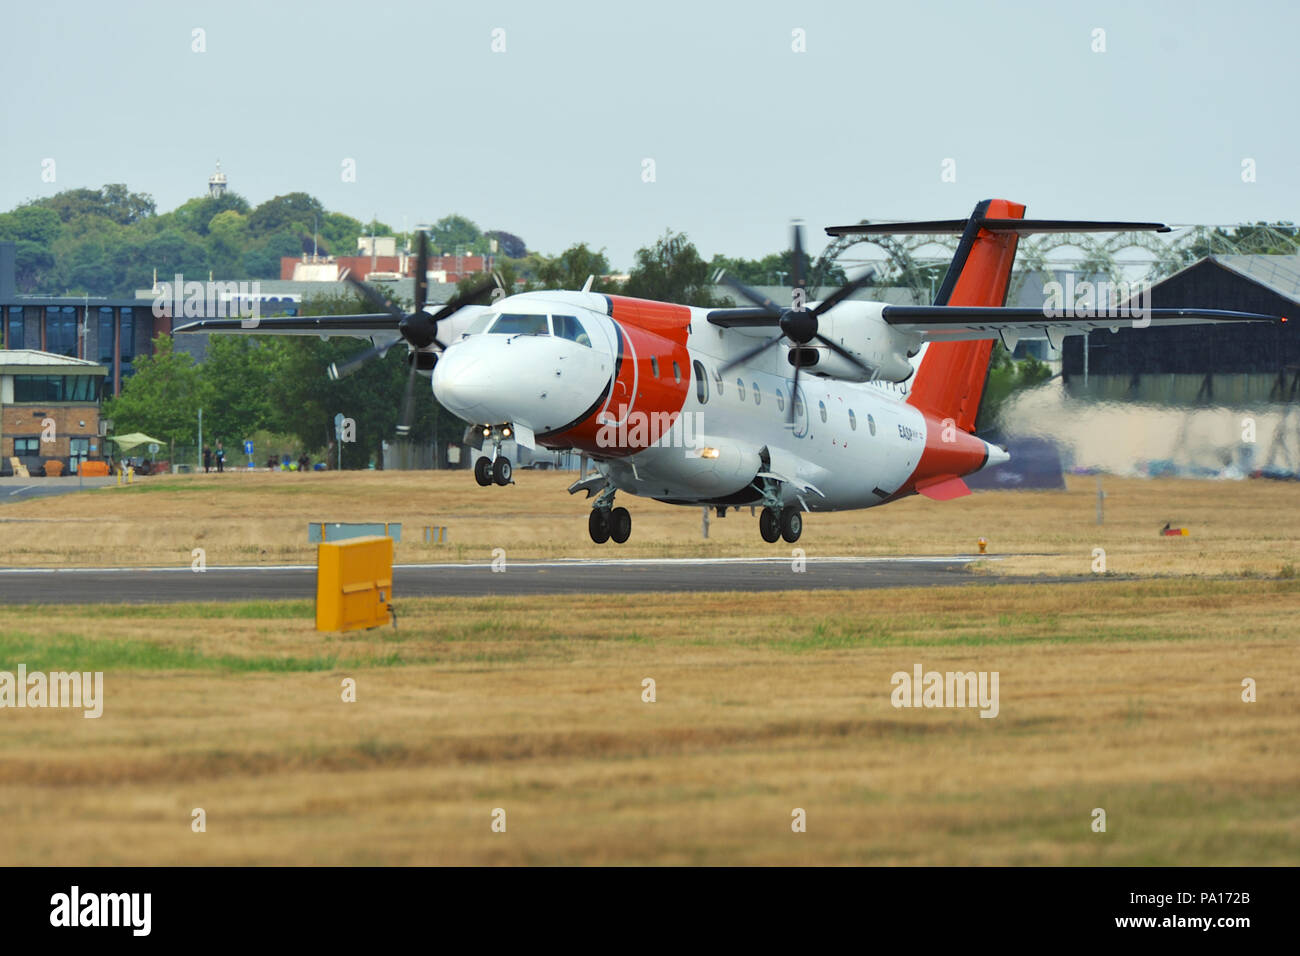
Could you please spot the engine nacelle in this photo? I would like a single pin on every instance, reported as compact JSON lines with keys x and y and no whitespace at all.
{"x":713,"y":467}
{"x":858,"y":328}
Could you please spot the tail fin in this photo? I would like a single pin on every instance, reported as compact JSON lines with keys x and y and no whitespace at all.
{"x":950,"y":379}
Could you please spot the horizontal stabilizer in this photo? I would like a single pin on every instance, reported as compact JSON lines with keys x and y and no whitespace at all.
{"x":953,"y":323}
{"x":1023,"y":227}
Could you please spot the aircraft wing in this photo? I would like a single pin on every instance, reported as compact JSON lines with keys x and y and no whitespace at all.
{"x":940,"y":323}
{"x":378,"y":325}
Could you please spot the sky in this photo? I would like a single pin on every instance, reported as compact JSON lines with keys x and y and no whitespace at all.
{"x":611,"y":123}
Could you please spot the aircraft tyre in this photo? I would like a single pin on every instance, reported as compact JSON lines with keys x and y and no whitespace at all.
{"x":483,"y":472}
{"x":501,"y":471}
{"x":791,"y":524}
{"x":620,"y":525}
{"x":598,"y":525}
{"x":769,"y":526}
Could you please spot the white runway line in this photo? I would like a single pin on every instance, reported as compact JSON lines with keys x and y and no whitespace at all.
{"x":564,"y":563}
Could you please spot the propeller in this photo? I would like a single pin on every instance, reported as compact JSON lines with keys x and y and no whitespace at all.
{"x":798,"y":324}
{"x":419,"y":328}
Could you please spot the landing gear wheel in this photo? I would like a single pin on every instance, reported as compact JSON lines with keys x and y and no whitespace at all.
{"x":769,"y":526}
{"x":598,"y":525}
{"x":620,"y":525}
{"x":791,"y":524}
{"x":483,"y":472}
{"x":501,"y":471}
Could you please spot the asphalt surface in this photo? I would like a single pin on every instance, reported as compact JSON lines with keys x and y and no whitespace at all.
{"x":163,"y":585}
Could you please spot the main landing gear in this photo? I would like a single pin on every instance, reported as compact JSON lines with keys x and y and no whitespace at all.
{"x":606,"y":522}
{"x":487,"y":471}
{"x":786,"y":523}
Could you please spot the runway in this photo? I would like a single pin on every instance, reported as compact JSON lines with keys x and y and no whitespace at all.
{"x":576,"y":576}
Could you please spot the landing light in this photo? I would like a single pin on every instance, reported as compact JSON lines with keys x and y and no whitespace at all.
{"x":505,"y":432}
{"x":708,"y":453}
{"x":487,"y":432}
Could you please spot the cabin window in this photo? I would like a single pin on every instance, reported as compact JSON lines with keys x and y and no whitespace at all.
{"x":821,"y":406}
{"x":717,"y":380}
{"x":654,"y":366}
{"x":853,"y":421}
{"x":677,"y":373}
{"x":740,"y":388}
{"x":758,"y":400}
{"x":701,"y":383}
{"x":871,"y":424}
{"x":780,"y":401}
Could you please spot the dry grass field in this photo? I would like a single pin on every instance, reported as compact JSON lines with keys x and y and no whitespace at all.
{"x":1120,"y":693}
{"x":1244,"y":528}
{"x":1123,"y":695}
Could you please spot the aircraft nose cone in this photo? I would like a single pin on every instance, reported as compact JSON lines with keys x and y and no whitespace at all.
{"x":463,"y":385}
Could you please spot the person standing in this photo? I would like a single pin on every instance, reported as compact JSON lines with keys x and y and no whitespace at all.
{"x":221,"y":458}
{"x":207,"y":459}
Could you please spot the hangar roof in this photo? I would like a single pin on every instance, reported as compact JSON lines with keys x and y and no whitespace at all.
{"x":1279,"y":273}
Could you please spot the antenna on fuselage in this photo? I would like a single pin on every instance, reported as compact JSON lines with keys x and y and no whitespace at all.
{"x":586,"y":286}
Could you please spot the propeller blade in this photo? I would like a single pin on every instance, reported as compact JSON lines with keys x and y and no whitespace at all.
{"x":373,"y":296}
{"x":844,"y":291}
{"x":408,"y":403}
{"x":762,"y":301}
{"x":796,"y":266}
{"x":763,"y":346}
{"x":421,"y":271}
{"x":794,"y":389}
{"x":842,"y":353}
{"x":339,"y":371}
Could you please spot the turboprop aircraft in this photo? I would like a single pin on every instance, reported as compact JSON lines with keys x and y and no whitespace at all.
{"x":815,"y":406}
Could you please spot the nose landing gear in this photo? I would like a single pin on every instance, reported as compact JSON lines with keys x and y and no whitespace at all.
{"x":494,"y":467}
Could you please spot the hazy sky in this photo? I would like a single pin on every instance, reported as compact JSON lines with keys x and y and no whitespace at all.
{"x":548,"y":139}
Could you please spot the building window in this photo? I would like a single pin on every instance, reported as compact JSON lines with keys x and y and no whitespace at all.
{"x":14,"y":340}
{"x":128,"y":335}
{"x":701,"y":383}
{"x":105,"y":337}
{"x":32,"y":327}
{"x":27,"y":447}
{"x":54,"y":388}
{"x":61,"y":330}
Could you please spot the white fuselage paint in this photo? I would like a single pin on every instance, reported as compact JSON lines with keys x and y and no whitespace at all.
{"x":830,"y":463}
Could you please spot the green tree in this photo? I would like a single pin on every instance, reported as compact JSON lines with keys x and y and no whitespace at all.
{"x":456,"y":232}
{"x":1006,"y":377}
{"x":233,"y":386}
{"x":162,"y":398}
{"x":570,"y":269}
{"x":31,"y":224}
{"x":293,"y":212}
{"x":671,"y":270}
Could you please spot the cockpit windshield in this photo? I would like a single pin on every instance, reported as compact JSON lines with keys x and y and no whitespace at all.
{"x":568,"y":327}
{"x":514,"y":323}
